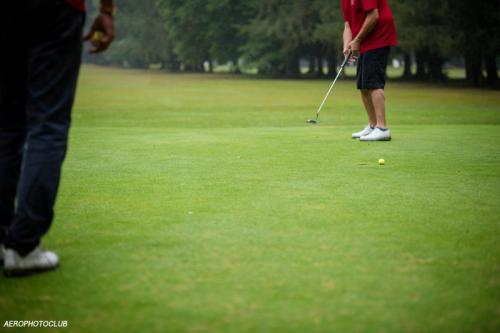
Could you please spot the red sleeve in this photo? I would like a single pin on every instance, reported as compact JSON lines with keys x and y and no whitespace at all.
{"x":369,"y":5}
{"x":345,"y":10}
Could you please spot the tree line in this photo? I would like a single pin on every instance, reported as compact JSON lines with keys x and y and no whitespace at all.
{"x":275,"y":37}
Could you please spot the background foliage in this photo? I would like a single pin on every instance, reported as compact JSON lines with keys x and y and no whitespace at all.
{"x":281,"y":37}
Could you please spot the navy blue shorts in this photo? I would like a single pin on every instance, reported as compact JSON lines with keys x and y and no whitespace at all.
{"x":371,"y":69}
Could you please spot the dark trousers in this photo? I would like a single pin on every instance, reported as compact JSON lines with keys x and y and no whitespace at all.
{"x":41,"y":45}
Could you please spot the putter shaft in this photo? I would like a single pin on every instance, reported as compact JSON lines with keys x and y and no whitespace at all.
{"x":333,"y":84}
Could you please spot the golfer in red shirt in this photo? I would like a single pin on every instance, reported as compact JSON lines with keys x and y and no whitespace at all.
{"x":369,"y":32}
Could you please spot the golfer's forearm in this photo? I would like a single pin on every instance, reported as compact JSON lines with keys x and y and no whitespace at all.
{"x":368,"y":25}
{"x":347,"y":35}
{"x":108,"y":7}
{"x":108,"y":3}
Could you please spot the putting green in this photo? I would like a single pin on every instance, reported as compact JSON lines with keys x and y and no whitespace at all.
{"x":205,"y":203}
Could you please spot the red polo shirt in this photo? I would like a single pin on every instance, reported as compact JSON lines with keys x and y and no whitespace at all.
{"x":384,"y":32}
{"x":78,"y":4}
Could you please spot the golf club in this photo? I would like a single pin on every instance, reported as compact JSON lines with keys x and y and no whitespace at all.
{"x":315,"y":121}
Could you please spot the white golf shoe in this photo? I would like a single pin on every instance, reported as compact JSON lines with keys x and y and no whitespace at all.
{"x":367,"y":130}
{"x":1,"y":256}
{"x":34,"y":262}
{"x":377,"y":135}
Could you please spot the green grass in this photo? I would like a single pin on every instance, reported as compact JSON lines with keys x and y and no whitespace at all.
{"x":199,"y":203}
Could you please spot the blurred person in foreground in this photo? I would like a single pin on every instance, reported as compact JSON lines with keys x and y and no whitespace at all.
{"x":39,"y":66}
{"x":369,"y":32}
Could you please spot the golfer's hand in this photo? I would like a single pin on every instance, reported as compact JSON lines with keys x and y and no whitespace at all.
{"x":105,"y":25}
{"x":347,"y":53}
{"x":354,"y":46}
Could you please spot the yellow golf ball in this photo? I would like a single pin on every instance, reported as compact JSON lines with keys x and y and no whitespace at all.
{"x":381,"y":161}
{"x":97,"y":38}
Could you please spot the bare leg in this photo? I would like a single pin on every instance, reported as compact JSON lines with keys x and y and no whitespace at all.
{"x":369,"y":107}
{"x":377,"y":97}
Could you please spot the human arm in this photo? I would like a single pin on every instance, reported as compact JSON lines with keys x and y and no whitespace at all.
{"x":347,"y":38}
{"x":367,"y":27}
{"x":103,"y":26}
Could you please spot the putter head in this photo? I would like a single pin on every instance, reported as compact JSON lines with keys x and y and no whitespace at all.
{"x":312,"y":121}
